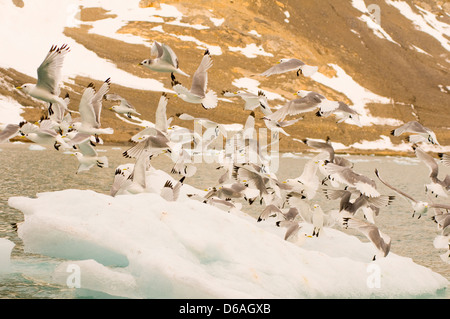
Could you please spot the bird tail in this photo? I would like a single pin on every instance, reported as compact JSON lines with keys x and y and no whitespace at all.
{"x":308,"y":70}
{"x":107,"y":130}
{"x":182,"y":73}
{"x":102,"y":162}
{"x":210,"y":100}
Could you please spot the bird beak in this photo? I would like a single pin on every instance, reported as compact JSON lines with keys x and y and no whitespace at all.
{"x":278,"y":62}
{"x":140,"y":63}
{"x":309,"y":236}
{"x":175,"y":95}
{"x":19,"y":88}
{"x":295,"y":93}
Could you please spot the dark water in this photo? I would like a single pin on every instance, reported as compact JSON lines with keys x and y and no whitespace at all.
{"x":26,"y":172}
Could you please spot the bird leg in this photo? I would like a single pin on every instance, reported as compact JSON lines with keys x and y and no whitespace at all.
{"x":56,"y":146}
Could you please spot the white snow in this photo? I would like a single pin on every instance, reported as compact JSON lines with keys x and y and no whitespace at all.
{"x":216,"y":21}
{"x":425,"y":21}
{"x":420,"y":50}
{"x":372,"y":23}
{"x":36,"y":30}
{"x":10,"y":110}
{"x":6,"y":246}
{"x":254,"y":32}
{"x":251,"y":50}
{"x":149,"y":248}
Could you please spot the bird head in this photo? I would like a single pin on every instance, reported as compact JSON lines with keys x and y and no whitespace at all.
{"x":146,"y":62}
{"x":26,"y":87}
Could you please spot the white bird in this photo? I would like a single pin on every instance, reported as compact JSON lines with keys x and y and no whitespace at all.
{"x":307,"y":101}
{"x":197,"y":94}
{"x":154,"y":144}
{"x":121,"y":175}
{"x":162,"y":123}
{"x":346,"y":176}
{"x":445,"y":159}
{"x":183,"y":165}
{"x":252,"y":101}
{"x":369,"y":205}
{"x":291,"y":64}
{"x":170,"y":192}
{"x":317,"y":219}
{"x":124,"y":107}
{"x":308,"y":182}
{"x":437,"y":187}
{"x":327,"y":147}
{"x":166,"y":60}
{"x":341,"y":111}
{"x":236,"y":190}
{"x":88,"y":157}
{"x":44,"y":134}
{"x":208,"y":124}
{"x":381,"y":241}
{"x":9,"y":132}
{"x":49,"y":79}
{"x":277,"y":126}
{"x":90,"y":108}
{"x":419,"y":207}
{"x":419,"y":133}
{"x":137,"y":180}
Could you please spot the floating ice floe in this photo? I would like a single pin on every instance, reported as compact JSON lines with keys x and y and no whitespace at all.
{"x":141,"y":246}
{"x":6,"y":247}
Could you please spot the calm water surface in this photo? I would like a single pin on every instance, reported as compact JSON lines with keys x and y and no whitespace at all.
{"x":26,"y":172}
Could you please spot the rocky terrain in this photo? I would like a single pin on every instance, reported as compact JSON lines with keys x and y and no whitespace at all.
{"x":406,"y":66}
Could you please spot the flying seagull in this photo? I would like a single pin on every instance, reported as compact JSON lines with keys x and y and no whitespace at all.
{"x":90,"y":108}
{"x":166,"y":60}
{"x":123,"y":108}
{"x":437,"y":187}
{"x":291,"y":64}
{"x":419,"y":132}
{"x":49,"y":79}
{"x":381,"y":241}
{"x":197,"y":94}
{"x":419,"y":207}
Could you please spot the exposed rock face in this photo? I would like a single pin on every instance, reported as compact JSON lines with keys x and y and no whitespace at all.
{"x":411,"y":70}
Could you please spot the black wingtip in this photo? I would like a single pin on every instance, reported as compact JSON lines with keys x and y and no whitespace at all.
{"x":392,"y":132}
{"x":207,"y":52}
{"x":318,"y":114}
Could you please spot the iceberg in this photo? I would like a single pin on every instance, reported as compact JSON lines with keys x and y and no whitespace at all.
{"x":6,"y":247}
{"x":142,"y":246}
